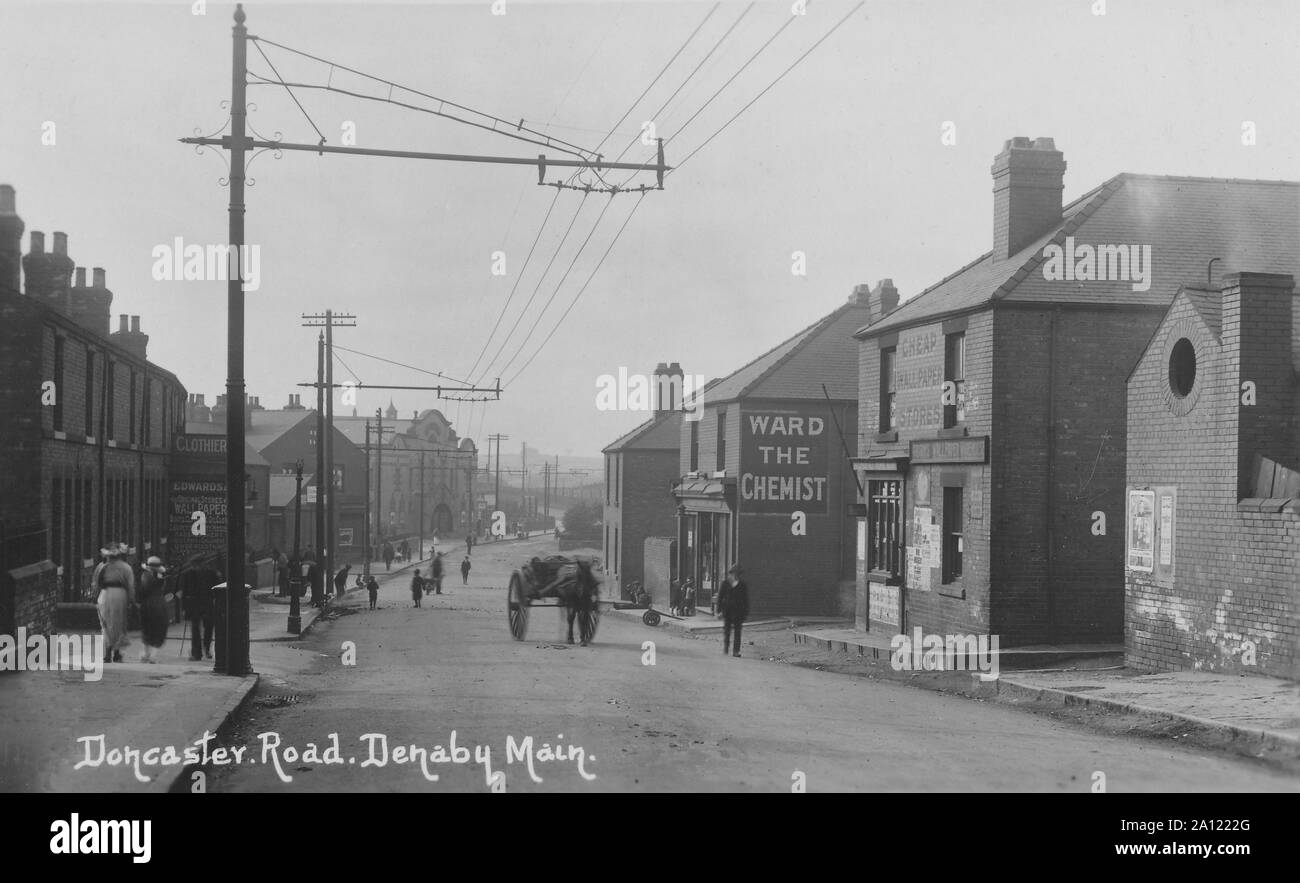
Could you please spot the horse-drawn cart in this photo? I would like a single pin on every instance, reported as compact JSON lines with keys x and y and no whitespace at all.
{"x":569,"y":581}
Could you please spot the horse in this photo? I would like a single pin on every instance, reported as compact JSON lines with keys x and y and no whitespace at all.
{"x":578,"y":590}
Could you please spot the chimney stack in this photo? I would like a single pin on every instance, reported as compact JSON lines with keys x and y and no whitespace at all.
{"x":11,"y":242}
{"x":91,"y":306}
{"x":295,"y":403}
{"x":861,"y":295}
{"x":668,"y":391}
{"x":1258,"y":341}
{"x":1028,"y":179}
{"x":49,"y":274}
{"x":883,"y":299}
{"x":130,"y":337}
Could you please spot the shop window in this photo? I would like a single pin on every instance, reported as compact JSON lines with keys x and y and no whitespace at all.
{"x":952,"y":534}
{"x":954,"y":372}
{"x":884,"y":526}
{"x":888,"y":402}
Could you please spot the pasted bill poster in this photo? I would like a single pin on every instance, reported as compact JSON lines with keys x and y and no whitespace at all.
{"x":922,"y":549}
{"x":1141,"y":531}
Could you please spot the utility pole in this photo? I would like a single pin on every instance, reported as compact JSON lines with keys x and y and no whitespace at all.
{"x":419,"y":554}
{"x":320,"y":459}
{"x":234,"y":627}
{"x":523,"y":479}
{"x":295,"y":577}
{"x":369,"y":552}
{"x":379,"y":468}
{"x":496,"y":500}
{"x":329,"y":320}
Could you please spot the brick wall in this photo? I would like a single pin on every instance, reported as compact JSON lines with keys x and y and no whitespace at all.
{"x":31,"y":593}
{"x":1043,"y":504}
{"x":1234,"y":575}
{"x":645,"y":506}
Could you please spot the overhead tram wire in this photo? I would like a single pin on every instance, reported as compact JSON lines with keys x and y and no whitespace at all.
{"x":290,"y":91}
{"x":679,"y":51}
{"x":563,"y":316}
{"x":548,"y":141}
{"x":533,"y":296}
{"x":657,"y":114}
{"x":560,"y":284}
{"x":518,"y":277}
{"x":403,"y":365}
{"x":778,"y":79}
{"x":789,"y":21}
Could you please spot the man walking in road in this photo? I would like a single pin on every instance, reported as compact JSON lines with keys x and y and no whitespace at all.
{"x":464,"y":570}
{"x":388,"y":556}
{"x":436,"y":573}
{"x":341,"y":580}
{"x":733,"y":604}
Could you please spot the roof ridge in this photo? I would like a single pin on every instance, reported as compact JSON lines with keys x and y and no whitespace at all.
{"x":809,"y":333}
{"x":1206,"y":180}
{"x":1068,"y":228}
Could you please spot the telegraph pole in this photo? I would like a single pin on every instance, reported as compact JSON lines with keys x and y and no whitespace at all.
{"x":235,"y":626}
{"x":523,"y":479}
{"x":379,"y":469}
{"x":329,"y":321}
{"x":496,"y":500}
{"x":419,"y":554}
{"x":366,"y":541}
{"x":320,"y":454}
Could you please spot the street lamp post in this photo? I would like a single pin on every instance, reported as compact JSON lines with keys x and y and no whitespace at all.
{"x":295,"y":586}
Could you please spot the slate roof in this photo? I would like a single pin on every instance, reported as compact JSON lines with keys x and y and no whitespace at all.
{"x":663,"y":432}
{"x":1253,"y":226}
{"x":824,"y":352}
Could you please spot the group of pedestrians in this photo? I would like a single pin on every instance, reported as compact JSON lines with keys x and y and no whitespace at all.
{"x":119,"y":589}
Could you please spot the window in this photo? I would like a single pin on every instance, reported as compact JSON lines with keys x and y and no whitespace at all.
{"x":131,"y":431}
{"x":609,"y":481}
{"x":884,"y":526}
{"x":695,"y":445}
{"x":954,"y":371}
{"x":616,"y":550}
{"x":58,"y":384}
{"x":888,"y":403}
{"x":56,"y":523}
{"x":90,"y":393}
{"x":722,"y":440}
{"x":110,"y":399}
{"x":1182,"y":368}
{"x":618,"y":476}
{"x":952,"y":535}
{"x":146,"y":420}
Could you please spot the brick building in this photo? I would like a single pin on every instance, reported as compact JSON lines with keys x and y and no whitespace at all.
{"x":427,"y":473}
{"x":641,"y":467}
{"x":992,"y":416}
{"x":88,"y":425}
{"x":768,"y":449}
{"x":280,"y":438}
{"x":1212,"y":526}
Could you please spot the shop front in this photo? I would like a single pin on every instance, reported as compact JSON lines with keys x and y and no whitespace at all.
{"x":706,"y":538}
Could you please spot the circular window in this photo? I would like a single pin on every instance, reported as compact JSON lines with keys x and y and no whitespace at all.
{"x":1182,"y":367}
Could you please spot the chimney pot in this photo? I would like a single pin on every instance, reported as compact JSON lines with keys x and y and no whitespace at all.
{"x":98,"y":275}
{"x":38,"y":242}
{"x":135,"y":324}
{"x":81,"y":277}
{"x":8,"y":204}
{"x":121,"y":327}
{"x":60,"y":243}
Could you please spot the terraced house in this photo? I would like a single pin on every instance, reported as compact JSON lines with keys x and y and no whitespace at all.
{"x":992,"y":411}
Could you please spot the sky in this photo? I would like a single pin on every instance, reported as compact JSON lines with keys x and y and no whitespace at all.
{"x":844,"y":160}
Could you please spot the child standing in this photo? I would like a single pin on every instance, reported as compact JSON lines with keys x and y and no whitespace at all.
{"x":417,"y":587}
{"x":373,"y":587}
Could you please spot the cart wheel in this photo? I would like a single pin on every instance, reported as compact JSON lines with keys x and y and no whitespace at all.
{"x":517,"y":608}
{"x":587,"y":623}
{"x":650,"y":617}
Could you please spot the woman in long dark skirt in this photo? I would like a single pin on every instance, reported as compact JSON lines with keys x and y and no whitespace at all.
{"x":153,"y":609}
